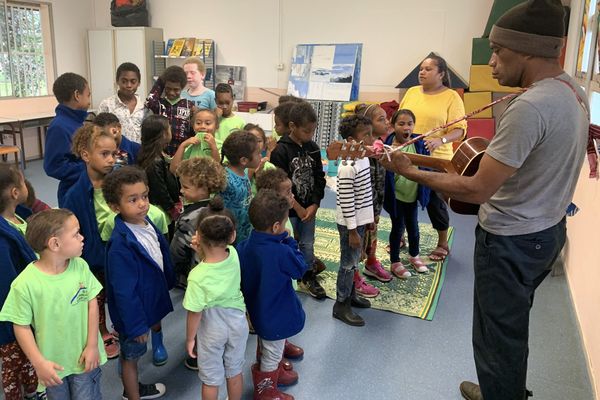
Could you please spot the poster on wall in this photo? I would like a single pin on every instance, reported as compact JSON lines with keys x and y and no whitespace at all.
{"x":235,"y":76}
{"x":326,"y":71}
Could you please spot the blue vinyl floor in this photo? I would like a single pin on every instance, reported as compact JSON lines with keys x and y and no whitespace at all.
{"x":393,"y":356}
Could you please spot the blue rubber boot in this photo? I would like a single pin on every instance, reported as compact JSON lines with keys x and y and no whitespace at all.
{"x":159,"y":352}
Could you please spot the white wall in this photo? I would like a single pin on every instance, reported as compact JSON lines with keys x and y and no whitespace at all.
{"x":396,"y":34}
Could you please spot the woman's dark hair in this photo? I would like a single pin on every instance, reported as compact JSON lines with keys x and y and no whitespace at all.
{"x":112,"y":186}
{"x":10,"y":177}
{"x":64,"y":86}
{"x":403,"y":111}
{"x":215,"y":224}
{"x":154,"y":128}
{"x":128,"y":67}
{"x":223,"y":88}
{"x":237,"y":145}
{"x":174,"y":74}
{"x":302,"y":113}
{"x":442,"y":67}
{"x":349,"y":124}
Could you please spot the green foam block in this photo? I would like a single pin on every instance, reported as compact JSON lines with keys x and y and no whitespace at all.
{"x":481,"y":52}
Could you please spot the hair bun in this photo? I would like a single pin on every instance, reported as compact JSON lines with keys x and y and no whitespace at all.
{"x":216,"y":204}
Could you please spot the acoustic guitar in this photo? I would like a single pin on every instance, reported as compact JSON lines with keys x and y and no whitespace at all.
{"x":465,"y":161}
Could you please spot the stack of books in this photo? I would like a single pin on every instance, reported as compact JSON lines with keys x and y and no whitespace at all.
{"x":188,"y":47}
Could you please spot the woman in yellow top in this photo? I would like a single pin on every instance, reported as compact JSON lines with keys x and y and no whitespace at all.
{"x":435,"y":104}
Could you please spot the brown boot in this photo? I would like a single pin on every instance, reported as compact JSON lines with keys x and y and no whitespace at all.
{"x":285,"y":363}
{"x":287,"y":378}
{"x":265,"y":385}
{"x":292,"y":351}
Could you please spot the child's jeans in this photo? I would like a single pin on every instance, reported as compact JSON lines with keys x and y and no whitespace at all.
{"x":406,"y":216}
{"x":305,"y":232}
{"x":349,"y":260}
{"x":271,"y":354}
{"x":17,"y":372}
{"x":84,"y":386}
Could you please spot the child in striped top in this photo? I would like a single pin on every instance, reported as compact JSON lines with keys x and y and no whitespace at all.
{"x":354,"y":212}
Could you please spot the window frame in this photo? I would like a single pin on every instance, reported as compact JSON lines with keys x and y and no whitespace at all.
{"x":48,"y":39}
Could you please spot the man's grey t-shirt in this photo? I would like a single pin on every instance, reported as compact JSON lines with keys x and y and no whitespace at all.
{"x":543,"y":133}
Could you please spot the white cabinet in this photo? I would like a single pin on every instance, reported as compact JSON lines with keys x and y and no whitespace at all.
{"x":110,"y":47}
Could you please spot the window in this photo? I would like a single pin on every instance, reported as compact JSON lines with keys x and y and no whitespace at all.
{"x":25,"y":49}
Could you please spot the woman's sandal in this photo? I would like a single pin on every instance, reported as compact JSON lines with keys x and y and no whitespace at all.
{"x":439,"y":253}
{"x":418,"y":264}
{"x":398,"y":269}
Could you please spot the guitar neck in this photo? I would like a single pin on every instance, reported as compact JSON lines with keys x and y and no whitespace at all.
{"x":438,"y":164}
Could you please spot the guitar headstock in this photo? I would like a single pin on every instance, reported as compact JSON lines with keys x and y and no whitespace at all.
{"x":348,"y":150}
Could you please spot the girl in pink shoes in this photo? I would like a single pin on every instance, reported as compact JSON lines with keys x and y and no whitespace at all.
{"x":402,"y":196}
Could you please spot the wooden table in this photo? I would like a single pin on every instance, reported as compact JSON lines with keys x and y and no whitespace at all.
{"x":17,"y":124}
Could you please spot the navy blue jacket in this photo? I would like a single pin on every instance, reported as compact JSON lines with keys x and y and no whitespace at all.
{"x":268,"y":264}
{"x":16,"y":255}
{"x":137,"y":290}
{"x":132,"y":149}
{"x":80,"y":200}
{"x":59,"y":161}
{"x":423,"y":192}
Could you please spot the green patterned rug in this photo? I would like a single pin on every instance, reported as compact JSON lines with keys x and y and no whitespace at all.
{"x":416,"y":296}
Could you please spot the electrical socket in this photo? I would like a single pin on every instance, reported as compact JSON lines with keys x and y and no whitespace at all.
{"x":280,"y":66}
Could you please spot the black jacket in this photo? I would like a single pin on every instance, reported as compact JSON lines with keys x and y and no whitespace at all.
{"x":163,"y":185}
{"x":304,"y":168}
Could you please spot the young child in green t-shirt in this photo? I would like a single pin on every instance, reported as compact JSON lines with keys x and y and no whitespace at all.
{"x":56,"y":297}
{"x":216,"y":310}
{"x":205,"y":123}
{"x":228,"y":121}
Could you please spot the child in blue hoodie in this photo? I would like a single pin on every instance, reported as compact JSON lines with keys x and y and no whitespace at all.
{"x":18,"y":376}
{"x":73,"y":95}
{"x":139,"y":275}
{"x":270,"y":260}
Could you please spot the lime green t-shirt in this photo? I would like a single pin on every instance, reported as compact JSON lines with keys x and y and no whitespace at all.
{"x":268,"y":165}
{"x":198,"y":150}
{"x":103,"y":211}
{"x":56,"y":307}
{"x":406,"y":190}
{"x":21,"y":226}
{"x":226,"y":126}
{"x":215,"y":285}
{"x":155,"y":214}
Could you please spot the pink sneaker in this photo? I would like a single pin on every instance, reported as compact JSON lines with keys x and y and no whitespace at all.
{"x":376,"y":271}
{"x":363,"y":288}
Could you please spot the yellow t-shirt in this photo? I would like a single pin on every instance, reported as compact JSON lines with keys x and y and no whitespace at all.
{"x":433,"y":110}
{"x":21,"y":226}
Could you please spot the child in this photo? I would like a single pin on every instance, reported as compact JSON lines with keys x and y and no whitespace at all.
{"x":373,"y":267}
{"x":178,"y":110}
{"x":354,"y":212}
{"x":164,"y":187}
{"x":18,"y":376}
{"x":266,"y":147}
{"x":228,"y":121}
{"x":196,"y":92}
{"x":270,"y":259}
{"x":205,"y":123}
{"x":401,"y":196}
{"x":73,"y":95}
{"x":126,"y":104}
{"x":33,"y":203}
{"x":139,"y":275}
{"x":216,"y":317}
{"x":276,"y":179}
{"x":97,"y":149}
{"x":281,"y":117}
{"x":126,"y":149}
{"x":300,"y":157}
{"x":200,"y":178}
{"x":242,"y":150}
{"x":56,"y":297}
